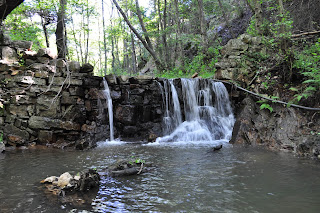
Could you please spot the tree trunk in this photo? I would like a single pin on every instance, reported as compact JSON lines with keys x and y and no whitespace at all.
{"x":150,"y":50}
{"x":160,"y":29}
{"x":179,"y":33}
{"x":134,"y":57}
{"x":283,"y":42}
{"x":88,"y":34}
{"x":45,"y":31}
{"x":104,"y":39}
{"x":164,"y":35}
{"x":99,"y":46}
{"x":258,"y":16}
{"x":60,"y":31}
{"x":142,"y":25}
{"x":203,"y":24}
{"x":112,"y":42}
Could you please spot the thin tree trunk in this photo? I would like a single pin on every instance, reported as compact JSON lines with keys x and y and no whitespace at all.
{"x":60,"y":31}
{"x":80,"y":40}
{"x":117,"y":57}
{"x":104,"y":39}
{"x":45,"y":31}
{"x":126,"y":61}
{"x":75,"y":39}
{"x":161,"y":29}
{"x":142,"y":25}
{"x":283,"y":42}
{"x":179,"y":32}
{"x":99,"y":46}
{"x":112,"y":41}
{"x":88,"y":34}
{"x":258,"y":16}
{"x":164,"y":35}
{"x":134,"y":57}
{"x":203,"y":27}
{"x":150,"y":50}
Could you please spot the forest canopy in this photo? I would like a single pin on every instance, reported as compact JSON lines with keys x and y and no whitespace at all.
{"x":169,"y":38}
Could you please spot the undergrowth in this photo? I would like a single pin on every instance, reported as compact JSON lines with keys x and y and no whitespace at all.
{"x":202,"y":63}
{"x":307,"y":62}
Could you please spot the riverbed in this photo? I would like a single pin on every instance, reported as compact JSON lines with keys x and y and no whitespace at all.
{"x":184,"y":178}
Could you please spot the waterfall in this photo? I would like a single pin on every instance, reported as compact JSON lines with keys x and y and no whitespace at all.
{"x":172,"y":118}
{"x":106,"y":93}
{"x":207,"y":112}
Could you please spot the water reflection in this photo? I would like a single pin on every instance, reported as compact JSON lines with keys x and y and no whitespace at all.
{"x":184,"y":179}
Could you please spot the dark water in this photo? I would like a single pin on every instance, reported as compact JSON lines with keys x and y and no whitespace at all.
{"x":185,"y":179}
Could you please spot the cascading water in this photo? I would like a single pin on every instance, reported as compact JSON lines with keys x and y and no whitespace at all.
{"x":207,"y":111}
{"x":172,"y":118}
{"x":106,"y":92}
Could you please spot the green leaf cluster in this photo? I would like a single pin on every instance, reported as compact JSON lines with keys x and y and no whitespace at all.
{"x":136,"y":160}
{"x":308,"y":64}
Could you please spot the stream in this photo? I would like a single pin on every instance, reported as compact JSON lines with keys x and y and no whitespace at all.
{"x":185,"y":178}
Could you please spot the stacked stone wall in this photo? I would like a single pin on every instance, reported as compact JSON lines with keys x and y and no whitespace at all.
{"x":59,"y":103}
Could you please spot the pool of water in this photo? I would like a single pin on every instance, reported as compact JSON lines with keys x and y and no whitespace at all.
{"x":185,"y":178}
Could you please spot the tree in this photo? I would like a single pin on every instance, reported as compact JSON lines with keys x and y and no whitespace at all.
{"x":143,"y":41}
{"x":203,"y":27}
{"x":61,"y":38}
{"x":104,"y":39}
{"x":6,"y":7}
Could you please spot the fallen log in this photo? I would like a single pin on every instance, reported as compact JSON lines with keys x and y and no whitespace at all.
{"x":125,"y":172}
{"x":305,"y":34}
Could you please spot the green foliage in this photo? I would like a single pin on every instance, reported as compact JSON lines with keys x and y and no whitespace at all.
{"x":266,"y":106}
{"x":136,"y":160}
{"x":174,"y":73}
{"x":308,"y":64}
{"x":203,"y":64}
{"x":1,"y":137}
{"x":21,"y":28}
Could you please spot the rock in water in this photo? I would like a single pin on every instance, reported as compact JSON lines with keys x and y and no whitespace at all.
{"x":64,"y":179}
{"x":2,"y":147}
{"x":49,"y":179}
{"x":72,"y":189}
{"x":216,"y":148}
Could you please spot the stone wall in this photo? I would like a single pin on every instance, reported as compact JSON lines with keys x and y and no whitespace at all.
{"x":237,"y":58}
{"x":53,"y":102}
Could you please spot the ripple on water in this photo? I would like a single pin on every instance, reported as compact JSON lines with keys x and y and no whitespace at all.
{"x":184,"y":179}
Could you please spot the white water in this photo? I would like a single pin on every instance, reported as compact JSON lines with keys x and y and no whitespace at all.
{"x":106,"y":92}
{"x":207,"y":110}
{"x":172,"y":118}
